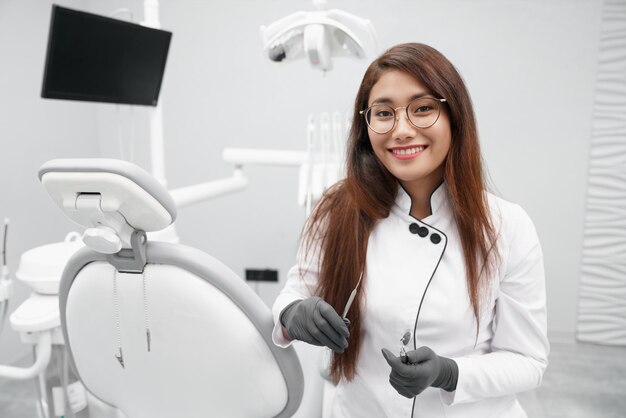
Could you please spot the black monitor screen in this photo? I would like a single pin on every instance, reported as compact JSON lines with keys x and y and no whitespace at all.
{"x":100,"y":59}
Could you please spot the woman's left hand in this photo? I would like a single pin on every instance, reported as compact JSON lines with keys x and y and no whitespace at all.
{"x":423,"y":369}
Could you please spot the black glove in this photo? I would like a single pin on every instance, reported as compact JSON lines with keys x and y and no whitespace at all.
{"x":424,"y":369}
{"x":314,"y":321}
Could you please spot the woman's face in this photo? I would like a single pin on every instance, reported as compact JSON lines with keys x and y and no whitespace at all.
{"x":415,"y":156}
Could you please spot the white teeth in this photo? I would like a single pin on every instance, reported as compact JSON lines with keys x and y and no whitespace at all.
{"x":408,"y":151}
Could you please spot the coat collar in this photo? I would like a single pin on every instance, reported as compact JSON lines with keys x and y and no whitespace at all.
{"x":438,"y":199}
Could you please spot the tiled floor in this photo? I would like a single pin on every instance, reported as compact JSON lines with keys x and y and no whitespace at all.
{"x":582,"y":381}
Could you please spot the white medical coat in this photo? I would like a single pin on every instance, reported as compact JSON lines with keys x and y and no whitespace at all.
{"x":412,"y":278}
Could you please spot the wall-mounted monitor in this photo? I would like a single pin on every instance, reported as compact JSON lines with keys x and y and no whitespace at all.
{"x":100,"y":59}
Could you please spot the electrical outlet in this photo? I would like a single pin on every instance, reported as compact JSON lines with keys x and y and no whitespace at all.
{"x":267,"y":275}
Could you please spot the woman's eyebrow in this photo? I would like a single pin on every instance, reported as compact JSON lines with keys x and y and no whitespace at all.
{"x":385,"y":100}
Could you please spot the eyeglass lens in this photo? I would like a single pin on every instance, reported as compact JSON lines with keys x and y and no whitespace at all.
{"x":422,"y":113}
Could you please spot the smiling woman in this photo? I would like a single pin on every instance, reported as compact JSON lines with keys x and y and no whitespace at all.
{"x":414,"y":144}
{"x":439,"y":256}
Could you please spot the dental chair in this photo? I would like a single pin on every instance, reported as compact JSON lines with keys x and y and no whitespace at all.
{"x":158,"y":329}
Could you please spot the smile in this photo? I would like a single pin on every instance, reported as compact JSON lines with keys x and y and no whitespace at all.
{"x":406,"y":153}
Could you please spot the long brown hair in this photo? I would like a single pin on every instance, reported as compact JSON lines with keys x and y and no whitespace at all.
{"x":344,"y":217}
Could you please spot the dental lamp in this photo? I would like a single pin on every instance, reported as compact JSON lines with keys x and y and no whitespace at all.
{"x":319,"y":36}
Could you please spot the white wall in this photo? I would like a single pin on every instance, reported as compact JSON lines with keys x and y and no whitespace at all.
{"x":32,"y":131}
{"x":529,"y":65}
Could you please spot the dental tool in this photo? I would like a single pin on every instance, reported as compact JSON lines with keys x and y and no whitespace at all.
{"x":5,"y":282}
{"x":350,"y":300}
{"x":405,"y":340}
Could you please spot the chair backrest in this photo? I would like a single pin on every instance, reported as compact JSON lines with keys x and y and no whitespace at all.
{"x":162,"y":330}
{"x":210,"y":354}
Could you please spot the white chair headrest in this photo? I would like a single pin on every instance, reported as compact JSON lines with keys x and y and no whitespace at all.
{"x":112,"y":198}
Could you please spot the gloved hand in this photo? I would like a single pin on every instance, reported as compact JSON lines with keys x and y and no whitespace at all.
{"x":314,"y":321}
{"x":424,"y":369}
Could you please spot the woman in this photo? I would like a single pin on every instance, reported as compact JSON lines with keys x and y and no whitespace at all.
{"x":453,"y":271}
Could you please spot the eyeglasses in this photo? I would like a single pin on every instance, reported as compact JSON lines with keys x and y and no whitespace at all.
{"x":422,"y":113}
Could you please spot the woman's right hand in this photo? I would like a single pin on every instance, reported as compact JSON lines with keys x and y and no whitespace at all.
{"x":314,"y":321}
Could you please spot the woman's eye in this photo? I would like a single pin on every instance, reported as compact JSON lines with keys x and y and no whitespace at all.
{"x":384,"y":114}
{"x":423,"y":109}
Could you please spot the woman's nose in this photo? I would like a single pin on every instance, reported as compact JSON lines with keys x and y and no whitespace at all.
{"x":403,"y":129}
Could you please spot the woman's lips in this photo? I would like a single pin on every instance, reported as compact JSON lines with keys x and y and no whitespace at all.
{"x":406,"y":153}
